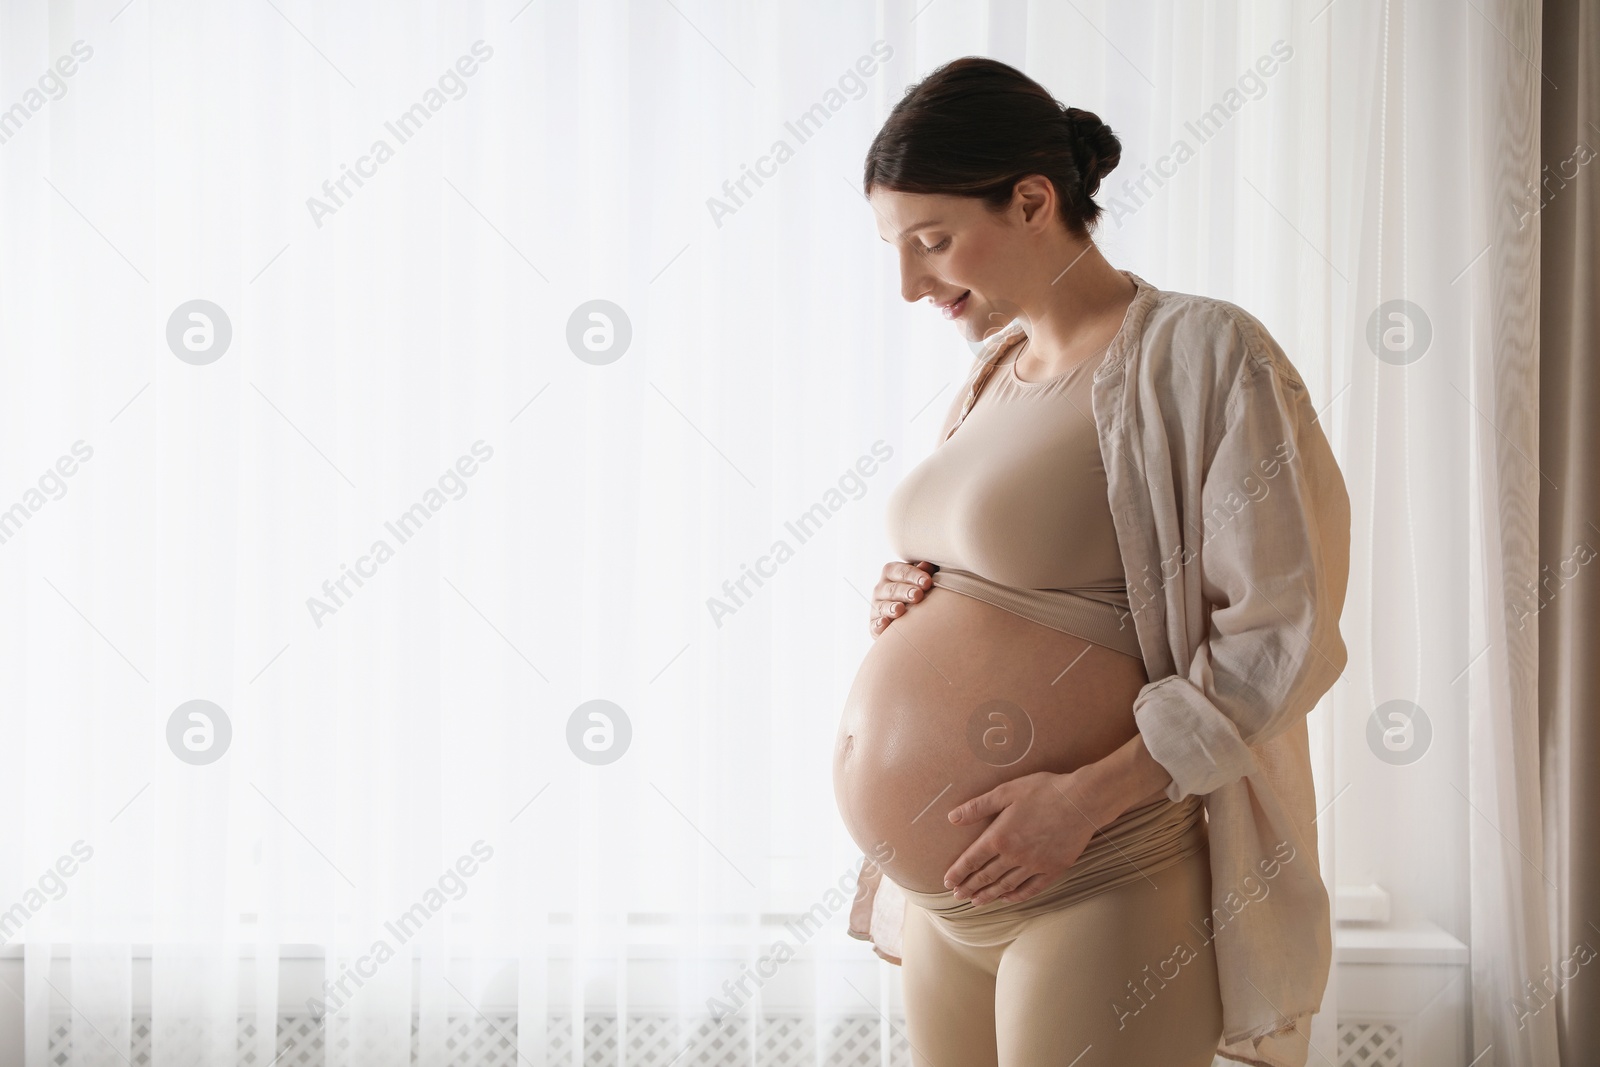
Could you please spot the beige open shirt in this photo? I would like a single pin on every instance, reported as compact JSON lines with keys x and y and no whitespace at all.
{"x":1234,"y":528}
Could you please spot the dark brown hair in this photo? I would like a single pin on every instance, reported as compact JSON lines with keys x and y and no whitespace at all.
{"x":976,"y":125}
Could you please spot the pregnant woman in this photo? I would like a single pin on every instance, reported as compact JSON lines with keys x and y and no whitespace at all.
{"x":1076,"y":750}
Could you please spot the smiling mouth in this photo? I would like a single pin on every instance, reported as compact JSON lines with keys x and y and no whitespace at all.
{"x":957,"y":306}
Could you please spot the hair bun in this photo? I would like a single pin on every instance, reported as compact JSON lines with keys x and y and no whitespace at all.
{"x":1008,"y":127}
{"x":1095,"y":147}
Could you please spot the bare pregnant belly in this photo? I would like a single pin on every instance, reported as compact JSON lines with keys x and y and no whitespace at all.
{"x":954,"y":698}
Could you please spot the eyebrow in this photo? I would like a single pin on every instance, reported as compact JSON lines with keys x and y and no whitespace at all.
{"x":915,"y":226}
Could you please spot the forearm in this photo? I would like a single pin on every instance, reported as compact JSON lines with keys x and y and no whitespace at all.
{"x":1125,"y":779}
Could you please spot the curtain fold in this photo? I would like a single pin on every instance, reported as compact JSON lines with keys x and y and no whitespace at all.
{"x":1510,"y":920}
{"x":1566,"y":595}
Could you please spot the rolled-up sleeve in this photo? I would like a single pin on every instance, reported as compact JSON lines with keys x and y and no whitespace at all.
{"x":1273,"y":565}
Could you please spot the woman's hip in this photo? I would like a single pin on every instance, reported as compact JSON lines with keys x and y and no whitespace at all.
{"x":1132,"y":849}
{"x":1111,"y":961}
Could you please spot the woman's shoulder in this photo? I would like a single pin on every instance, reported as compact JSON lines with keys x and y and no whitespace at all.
{"x":1203,"y":364}
{"x":1207,"y":338}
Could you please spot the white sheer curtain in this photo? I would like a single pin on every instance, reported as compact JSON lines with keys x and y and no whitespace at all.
{"x":1437,"y":227}
{"x":633,"y":370}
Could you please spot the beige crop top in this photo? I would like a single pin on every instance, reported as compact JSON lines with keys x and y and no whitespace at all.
{"x":1012,"y":506}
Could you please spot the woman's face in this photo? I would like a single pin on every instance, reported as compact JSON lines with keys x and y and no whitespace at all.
{"x":955,"y":251}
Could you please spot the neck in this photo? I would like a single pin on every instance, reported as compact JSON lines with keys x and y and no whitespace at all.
{"x":1077,"y":311}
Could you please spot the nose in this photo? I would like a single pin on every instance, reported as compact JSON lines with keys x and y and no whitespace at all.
{"x":914,"y":277}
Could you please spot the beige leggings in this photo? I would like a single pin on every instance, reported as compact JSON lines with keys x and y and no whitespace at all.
{"x":1108,"y":967}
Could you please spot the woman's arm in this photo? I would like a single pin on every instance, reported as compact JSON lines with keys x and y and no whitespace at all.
{"x":1270,"y":566}
{"x":1126,"y":779}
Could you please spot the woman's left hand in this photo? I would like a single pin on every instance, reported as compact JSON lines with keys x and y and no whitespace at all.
{"x":1043,"y":824}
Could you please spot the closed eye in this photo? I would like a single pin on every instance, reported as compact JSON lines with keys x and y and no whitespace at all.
{"x":940,"y":247}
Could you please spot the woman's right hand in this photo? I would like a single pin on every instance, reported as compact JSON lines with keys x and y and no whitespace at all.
{"x":902,"y":584}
